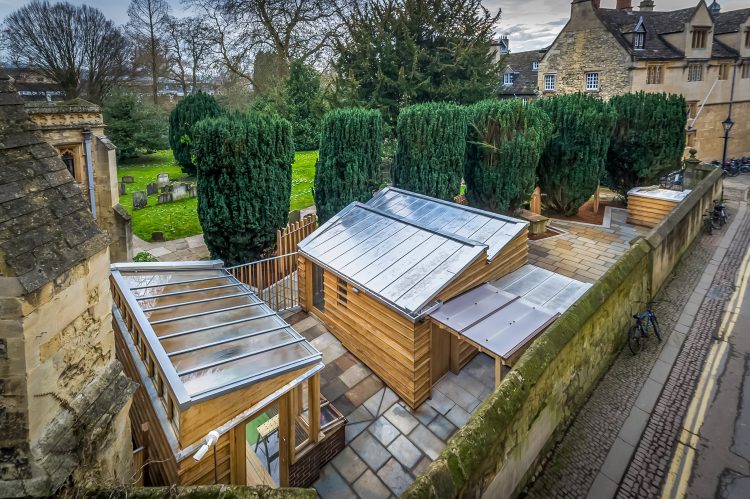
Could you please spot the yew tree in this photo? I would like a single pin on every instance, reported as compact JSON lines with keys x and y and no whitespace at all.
{"x":184,"y":116}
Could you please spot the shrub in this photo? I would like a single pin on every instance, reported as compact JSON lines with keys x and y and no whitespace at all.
{"x":145,"y":256}
{"x":244,"y":164}
{"x":575,"y":157}
{"x":348,"y":168}
{"x":504,"y":142}
{"x":431,"y":149}
{"x":134,"y":127}
{"x":648,"y":140}
{"x":184,"y":116}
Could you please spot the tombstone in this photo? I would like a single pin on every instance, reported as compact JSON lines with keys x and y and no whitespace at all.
{"x":162,"y":179}
{"x":179,"y":191}
{"x":123,"y":188}
{"x":152,"y":188}
{"x":192,"y":191}
{"x":140,"y":200}
{"x":128,"y":179}
{"x":536,"y":202}
{"x":294,"y":216}
{"x":157,"y":236}
{"x":164,"y":197}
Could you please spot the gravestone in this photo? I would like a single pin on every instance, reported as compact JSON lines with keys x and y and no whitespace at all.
{"x":164,"y":197}
{"x":294,"y":217}
{"x":157,"y":236}
{"x":128,"y":179}
{"x":162,"y":179}
{"x":123,"y":188}
{"x":191,"y":191}
{"x":140,"y":200}
{"x":179,"y":191}
{"x":152,"y":188}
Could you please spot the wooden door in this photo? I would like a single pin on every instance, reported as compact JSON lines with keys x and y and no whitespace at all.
{"x":441,"y":353}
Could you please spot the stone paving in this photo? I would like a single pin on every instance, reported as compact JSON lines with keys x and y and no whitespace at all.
{"x":583,"y":251}
{"x":178,"y":250}
{"x":574,"y":465}
{"x":388,"y":443}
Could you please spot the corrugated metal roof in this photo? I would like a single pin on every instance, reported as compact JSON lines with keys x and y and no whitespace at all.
{"x":209,"y":333}
{"x":543,"y":288}
{"x":396,"y":260}
{"x":492,"y":229}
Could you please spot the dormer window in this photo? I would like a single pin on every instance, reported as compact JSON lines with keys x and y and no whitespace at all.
{"x":747,"y":37}
{"x":535,"y":66}
{"x":639,"y":40}
{"x":700,"y":38}
{"x":508,"y":79}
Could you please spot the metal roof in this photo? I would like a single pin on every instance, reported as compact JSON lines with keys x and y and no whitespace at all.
{"x":485,"y":227}
{"x":504,"y":316}
{"x":208,"y":332}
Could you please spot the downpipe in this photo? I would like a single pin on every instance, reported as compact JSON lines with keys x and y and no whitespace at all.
{"x":89,"y":168}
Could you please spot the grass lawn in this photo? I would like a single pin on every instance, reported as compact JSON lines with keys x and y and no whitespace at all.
{"x":180,"y":218}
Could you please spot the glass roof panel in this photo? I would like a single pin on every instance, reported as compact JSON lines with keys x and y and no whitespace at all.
{"x":215,"y":319}
{"x":173,"y":287}
{"x":222,"y":333}
{"x":199,"y":306}
{"x":160,"y":301}
{"x":148,"y":278}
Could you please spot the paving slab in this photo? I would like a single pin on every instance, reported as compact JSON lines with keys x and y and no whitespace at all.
{"x":369,"y":486}
{"x":405,"y":451}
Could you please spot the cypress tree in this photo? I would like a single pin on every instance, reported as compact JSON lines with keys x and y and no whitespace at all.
{"x":574,"y":159}
{"x":348,"y":168}
{"x":187,"y":113}
{"x":244,"y":167}
{"x":648,"y":140}
{"x":431,"y":149}
{"x":504,"y":142}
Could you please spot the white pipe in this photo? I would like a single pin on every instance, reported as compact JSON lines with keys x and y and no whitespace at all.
{"x":211,"y":439}
{"x":89,"y":169}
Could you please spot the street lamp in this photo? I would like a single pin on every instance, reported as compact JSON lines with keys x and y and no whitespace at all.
{"x":727,"y":124}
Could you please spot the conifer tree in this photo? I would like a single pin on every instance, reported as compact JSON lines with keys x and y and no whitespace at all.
{"x":187,"y":113}
{"x":244,"y":167}
{"x":348,"y":168}
{"x":431,"y":149}
{"x":574,"y":159}
{"x":505,"y":140}
{"x":648,"y":140}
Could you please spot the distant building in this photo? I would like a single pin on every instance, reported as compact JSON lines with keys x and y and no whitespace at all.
{"x":699,"y":52}
{"x":519,"y":78}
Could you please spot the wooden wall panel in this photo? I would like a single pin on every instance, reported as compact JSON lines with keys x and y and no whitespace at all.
{"x":304,"y":280}
{"x":648,"y":212}
{"x":192,"y":472}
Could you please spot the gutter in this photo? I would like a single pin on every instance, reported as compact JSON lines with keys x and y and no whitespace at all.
{"x":89,"y":169}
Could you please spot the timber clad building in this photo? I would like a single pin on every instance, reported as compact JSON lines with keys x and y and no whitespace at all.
{"x":375,"y":272}
{"x":699,"y":52}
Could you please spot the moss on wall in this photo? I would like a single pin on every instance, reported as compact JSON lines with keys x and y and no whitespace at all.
{"x":202,"y":492}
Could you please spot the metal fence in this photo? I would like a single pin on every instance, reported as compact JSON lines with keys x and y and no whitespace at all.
{"x":273,"y":279}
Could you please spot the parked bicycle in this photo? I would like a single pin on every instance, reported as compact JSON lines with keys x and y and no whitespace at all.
{"x":641,"y":330}
{"x":720,"y":213}
{"x":709,"y":222}
{"x":673,"y":180}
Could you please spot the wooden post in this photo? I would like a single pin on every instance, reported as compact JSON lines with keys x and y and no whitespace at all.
{"x":498,"y":371}
{"x":286,"y":438}
{"x":237,"y":455}
{"x":596,"y":199}
{"x":313,"y":406}
{"x":455,"y":365}
{"x":536,"y":201}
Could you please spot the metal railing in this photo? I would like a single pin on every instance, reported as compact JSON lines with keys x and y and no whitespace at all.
{"x":273,"y":279}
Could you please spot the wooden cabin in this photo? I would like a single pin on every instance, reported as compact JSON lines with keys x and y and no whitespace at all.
{"x":375,"y":271}
{"x":229,"y":392}
{"x":647,"y":206}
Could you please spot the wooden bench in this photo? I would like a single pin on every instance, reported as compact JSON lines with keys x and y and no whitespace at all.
{"x":538,"y":223}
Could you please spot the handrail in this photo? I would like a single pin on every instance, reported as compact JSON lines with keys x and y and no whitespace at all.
{"x":273,"y":280}
{"x":275,"y":257}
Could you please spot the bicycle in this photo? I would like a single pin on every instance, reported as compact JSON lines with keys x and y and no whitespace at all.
{"x":709,"y":222}
{"x":641,"y":329}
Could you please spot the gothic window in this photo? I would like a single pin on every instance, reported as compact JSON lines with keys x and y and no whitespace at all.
{"x":639,"y":40}
{"x":592,"y":82}
{"x":655,"y":74}
{"x":700,"y":37}
{"x":695,"y":72}
{"x":67,"y":158}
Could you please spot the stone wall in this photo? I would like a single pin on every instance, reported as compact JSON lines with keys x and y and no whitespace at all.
{"x":585,"y":45}
{"x":497,"y":450}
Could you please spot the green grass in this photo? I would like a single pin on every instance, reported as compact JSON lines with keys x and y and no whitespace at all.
{"x":180,"y":218}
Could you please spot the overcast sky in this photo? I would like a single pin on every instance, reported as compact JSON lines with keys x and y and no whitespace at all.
{"x":530,"y":24}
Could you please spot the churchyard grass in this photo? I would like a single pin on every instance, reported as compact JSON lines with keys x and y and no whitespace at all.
{"x":180,"y":218}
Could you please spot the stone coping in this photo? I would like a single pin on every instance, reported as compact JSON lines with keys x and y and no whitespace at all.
{"x":659,"y":193}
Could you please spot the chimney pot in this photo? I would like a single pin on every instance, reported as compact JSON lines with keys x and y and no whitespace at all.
{"x":624,"y":5}
{"x":647,"y":6}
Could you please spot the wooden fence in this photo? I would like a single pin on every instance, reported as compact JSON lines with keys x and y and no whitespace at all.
{"x":289,"y":237}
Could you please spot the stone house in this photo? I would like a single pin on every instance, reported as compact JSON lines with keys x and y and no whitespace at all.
{"x":64,"y":398}
{"x":520,"y":75}
{"x":76,"y":130}
{"x":699,"y":52}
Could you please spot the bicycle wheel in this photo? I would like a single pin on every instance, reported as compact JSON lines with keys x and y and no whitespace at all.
{"x":635,"y":339}
{"x":708,"y":226}
{"x":655,"y":325}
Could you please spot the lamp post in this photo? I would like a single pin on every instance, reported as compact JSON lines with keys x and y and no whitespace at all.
{"x":727,"y":124}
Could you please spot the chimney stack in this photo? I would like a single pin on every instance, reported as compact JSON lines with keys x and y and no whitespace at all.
{"x":596,"y":4}
{"x":624,"y":5}
{"x":647,"y":6}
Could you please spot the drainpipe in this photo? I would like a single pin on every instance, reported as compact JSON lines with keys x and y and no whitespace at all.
{"x":89,"y":168}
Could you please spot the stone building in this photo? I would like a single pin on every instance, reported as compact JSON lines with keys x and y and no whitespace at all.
{"x":64,"y":399}
{"x":76,"y":130}
{"x":520,"y":75}
{"x":699,"y":52}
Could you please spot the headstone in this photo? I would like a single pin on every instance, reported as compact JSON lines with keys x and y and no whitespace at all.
{"x":128,"y":179}
{"x":140,"y":200}
{"x":164,"y":197}
{"x":152,"y":188}
{"x":162,"y":179}
{"x":157,"y":236}
{"x":191,"y":191}
{"x":179,"y":191}
{"x":294,"y":216}
{"x":123,"y":188}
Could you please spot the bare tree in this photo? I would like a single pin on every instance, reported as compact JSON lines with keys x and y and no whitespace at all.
{"x":290,"y":29}
{"x":67,"y":44}
{"x":188,"y":44}
{"x":148,"y":24}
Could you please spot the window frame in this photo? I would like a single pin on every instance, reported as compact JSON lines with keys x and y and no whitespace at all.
{"x":695,"y":69}
{"x":654,"y":74}
{"x":592,"y":76}
{"x":724,"y":68}
{"x":550,"y":78}
{"x":745,"y":72}
{"x":692,"y":109}
{"x":535,"y":65}
{"x":506,"y":77}
{"x":699,"y":37}
{"x":639,"y":40}
{"x":747,"y":37}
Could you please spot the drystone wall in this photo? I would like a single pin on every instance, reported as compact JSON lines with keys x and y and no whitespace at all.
{"x":497,"y":450}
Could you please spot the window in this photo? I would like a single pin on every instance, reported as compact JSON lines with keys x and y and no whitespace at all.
{"x":67,"y":158}
{"x":690,"y":139}
{"x":342,"y":292}
{"x":549,"y":83}
{"x":535,"y":66}
{"x":724,"y":71}
{"x":695,"y":72}
{"x":700,"y":35}
{"x":638,"y":40}
{"x":655,"y":74}
{"x":746,"y":70}
{"x":508,"y":79}
{"x":747,"y":37}
{"x":525,"y":100}
{"x":592,"y":82}
{"x":692,"y":109}
{"x":318,"y":292}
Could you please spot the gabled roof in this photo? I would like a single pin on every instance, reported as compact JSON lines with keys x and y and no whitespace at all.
{"x":404,"y":248}
{"x":730,"y":21}
{"x":46,"y":227}
{"x":525,"y":81}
